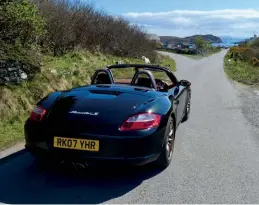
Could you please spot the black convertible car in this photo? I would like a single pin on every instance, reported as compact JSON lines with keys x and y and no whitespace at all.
{"x":128,"y":120}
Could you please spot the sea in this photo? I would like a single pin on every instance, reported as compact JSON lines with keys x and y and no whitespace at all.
{"x":229,"y":41}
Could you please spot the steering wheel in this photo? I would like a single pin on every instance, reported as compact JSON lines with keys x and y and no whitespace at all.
{"x":161,"y":86}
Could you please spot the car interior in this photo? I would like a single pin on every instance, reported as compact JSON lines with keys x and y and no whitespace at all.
{"x":142,"y":80}
{"x":102,"y":78}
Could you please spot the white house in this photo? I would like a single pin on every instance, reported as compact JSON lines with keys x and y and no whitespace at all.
{"x":171,"y":46}
{"x":154,"y":37}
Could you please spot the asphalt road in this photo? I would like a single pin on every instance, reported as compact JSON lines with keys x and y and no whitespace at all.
{"x":215,"y":159}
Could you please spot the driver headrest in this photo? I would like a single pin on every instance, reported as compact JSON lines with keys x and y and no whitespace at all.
{"x":103,"y":78}
{"x":145,"y":82}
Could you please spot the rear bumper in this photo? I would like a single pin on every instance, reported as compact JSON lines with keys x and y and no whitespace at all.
{"x":137,"y":150}
{"x":85,"y":159}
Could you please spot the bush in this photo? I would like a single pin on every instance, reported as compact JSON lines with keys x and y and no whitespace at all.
{"x":29,"y":28}
{"x":21,"y":27}
{"x":78,"y":25}
{"x":199,"y":42}
{"x":16,"y":52}
{"x":248,"y":52}
{"x":19,"y":21}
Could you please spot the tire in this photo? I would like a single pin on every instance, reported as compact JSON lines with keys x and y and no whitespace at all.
{"x":166,"y":154}
{"x":187,"y":109}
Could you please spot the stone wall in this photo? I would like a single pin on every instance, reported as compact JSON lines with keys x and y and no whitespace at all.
{"x":14,"y":72}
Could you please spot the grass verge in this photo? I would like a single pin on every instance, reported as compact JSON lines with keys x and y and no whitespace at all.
{"x":199,"y":56}
{"x":71,"y":70}
{"x":240,"y":71}
{"x":193,"y":56}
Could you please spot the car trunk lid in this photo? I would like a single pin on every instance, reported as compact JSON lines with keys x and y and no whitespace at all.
{"x":94,"y":111}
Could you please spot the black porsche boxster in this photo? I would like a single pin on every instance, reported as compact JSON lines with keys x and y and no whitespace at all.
{"x":111,"y":121}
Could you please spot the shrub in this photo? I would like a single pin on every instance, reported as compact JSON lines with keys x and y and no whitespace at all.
{"x":71,"y":25}
{"x":21,"y":26}
{"x":248,"y":52}
{"x":19,"y":21}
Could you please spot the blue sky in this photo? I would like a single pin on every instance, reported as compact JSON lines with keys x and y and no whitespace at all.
{"x":237,"y":18}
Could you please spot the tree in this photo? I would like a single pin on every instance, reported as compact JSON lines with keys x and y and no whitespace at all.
{"x":199,"y":42}
{"x":19,"y":21}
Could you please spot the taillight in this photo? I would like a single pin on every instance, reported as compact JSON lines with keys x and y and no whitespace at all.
{"x":141,"y":121}
{"x":38,"y":113}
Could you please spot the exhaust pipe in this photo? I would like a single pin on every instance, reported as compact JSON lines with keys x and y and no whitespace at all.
{"x":80,"y":165}
{"x":76,"y":165}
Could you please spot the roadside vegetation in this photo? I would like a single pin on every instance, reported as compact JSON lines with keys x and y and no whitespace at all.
{"x":242,"y":63}
{"x":65,"y":42}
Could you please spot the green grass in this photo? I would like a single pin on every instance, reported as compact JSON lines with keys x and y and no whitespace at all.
{"x":73,"y":69}
{"x":193,"y":56}
{"x":240,"y":71}
{"x":166,"y":61}
{"x":199,"y":56}
{"x":214,"y":51}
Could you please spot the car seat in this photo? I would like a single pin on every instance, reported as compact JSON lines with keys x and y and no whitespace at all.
{"x":144,"y":82}
{"x":103,"y":78}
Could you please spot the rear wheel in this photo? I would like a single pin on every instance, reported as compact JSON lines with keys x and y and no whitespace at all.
{"x":168,"y":147}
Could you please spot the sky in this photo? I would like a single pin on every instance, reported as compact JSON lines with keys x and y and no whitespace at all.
{"x":235,"y":18}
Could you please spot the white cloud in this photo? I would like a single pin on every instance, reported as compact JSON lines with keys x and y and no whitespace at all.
{"x":235,"y":22}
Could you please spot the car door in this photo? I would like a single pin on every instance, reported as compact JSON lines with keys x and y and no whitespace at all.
{"x":182,"y":102}
{"x":178,"y":100}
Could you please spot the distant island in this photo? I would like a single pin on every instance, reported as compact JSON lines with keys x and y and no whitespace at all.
{"x":189,"y":39}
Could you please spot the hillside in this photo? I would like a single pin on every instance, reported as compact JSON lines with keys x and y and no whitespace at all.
{"x":173,"y":39}
{"x":59,"y":73}
{"x":52,"y":45}
{"x":242,"y":63}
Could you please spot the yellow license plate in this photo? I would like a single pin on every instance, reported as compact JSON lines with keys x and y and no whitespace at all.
{"x":78,"y":144}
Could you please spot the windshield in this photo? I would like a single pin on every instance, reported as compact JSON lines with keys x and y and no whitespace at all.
{"x":125,"y":75}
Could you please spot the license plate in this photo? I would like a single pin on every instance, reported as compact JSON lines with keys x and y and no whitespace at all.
{"x":77,"y":144}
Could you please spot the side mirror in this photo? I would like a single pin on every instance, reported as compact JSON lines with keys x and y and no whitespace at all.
{"x":185,"y":83}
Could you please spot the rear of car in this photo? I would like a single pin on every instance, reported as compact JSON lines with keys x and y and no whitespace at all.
{"x":98,"y":123}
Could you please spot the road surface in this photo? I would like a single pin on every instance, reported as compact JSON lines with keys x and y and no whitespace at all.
{"x":216,"y":158}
